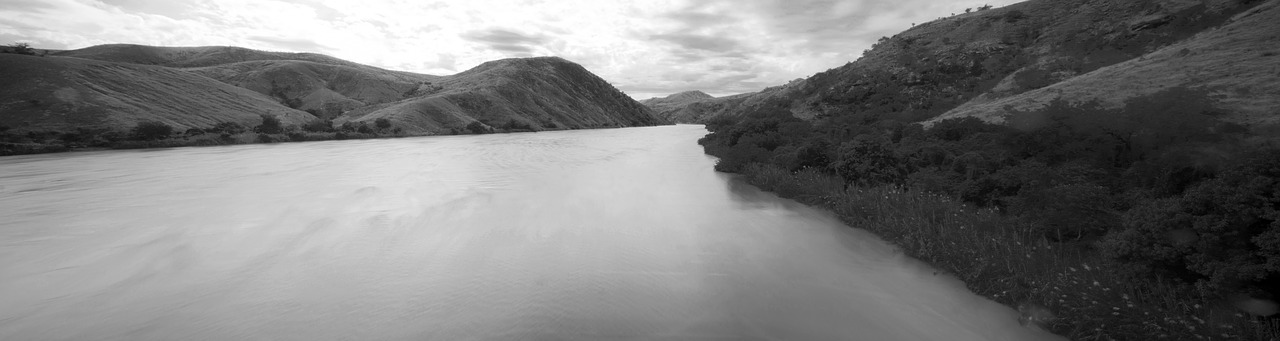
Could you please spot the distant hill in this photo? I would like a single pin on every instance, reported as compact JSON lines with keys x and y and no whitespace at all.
{"x":989,"y":62}
{"x":195,"y":56}
{"x":670,"y":107}
{"x":116,"y":86}
{"x":544,"y":93}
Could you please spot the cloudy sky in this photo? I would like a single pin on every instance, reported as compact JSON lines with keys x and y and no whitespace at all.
{"x":644,"y":47}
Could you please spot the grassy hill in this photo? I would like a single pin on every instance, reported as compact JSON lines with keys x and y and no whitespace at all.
{"x":1235,"y":64}
{"x":326,"y":90}
{"x":675,"y":107}
{"x":529,"y":93}
{"x":114,"y":87}
{"x":62,"y":94}
{"x":973,"y":62}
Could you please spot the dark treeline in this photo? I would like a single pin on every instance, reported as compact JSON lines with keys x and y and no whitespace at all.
{"x":153,"y":134}
{"x":1170,"y":209}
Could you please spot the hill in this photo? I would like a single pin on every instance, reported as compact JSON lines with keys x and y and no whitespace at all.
{"x":194,"y":56}
{"x":1236,"y":64}
{"x":325,"y":90}
{"x":973,"y":62}
{"x":670,"y":108}
{"x":62,"y":94}
{"x":529,"y":93}
{"x":1097,"y":164}
{"x":116,"y":86}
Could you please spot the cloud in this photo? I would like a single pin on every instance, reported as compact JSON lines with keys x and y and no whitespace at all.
{"x":169,"y":8}
{"x":29,"y":6}
{"x":506,"y":41}
{"x":699,"y":42}
{"x":646,"y":48}
{"x":293,"y":44}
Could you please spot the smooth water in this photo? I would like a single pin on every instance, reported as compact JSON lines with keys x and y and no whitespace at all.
{"x":584,"y":235}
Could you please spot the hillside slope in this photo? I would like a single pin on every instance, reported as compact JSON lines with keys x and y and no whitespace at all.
{"x":61,"y":94}
{"x":116,"y":86}
{"x":992,"y":54}
{"x":327,"y":90}
{"x":674,"y":106}
{"x":538,"y":93}
{"x":1235,"y":64}
{"x":191,"y":56}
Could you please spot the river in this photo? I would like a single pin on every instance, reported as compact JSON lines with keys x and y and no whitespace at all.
{"x":573,"y":235}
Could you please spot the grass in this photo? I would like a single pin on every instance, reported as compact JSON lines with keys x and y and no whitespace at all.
{"x":1068,"y":289}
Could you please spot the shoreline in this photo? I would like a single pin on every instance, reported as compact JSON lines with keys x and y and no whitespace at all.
{"x":212,"y":139}
{"x":1068,"y":289}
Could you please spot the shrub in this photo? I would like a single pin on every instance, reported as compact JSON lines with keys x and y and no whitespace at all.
{"x":151,"y":131}
{"x":230,"y":128}
{"x":363,"y":128}
{"x":1222,"y":234}
{"x":194,"y":132}
{"x":297,"y":136}
{"x":319,"y":125}
{"x":475,"y":127}
{"x":270,"y":125}
{"x":869,"y":162}
{"x":382,"y":123}
{"x":20,"y":48}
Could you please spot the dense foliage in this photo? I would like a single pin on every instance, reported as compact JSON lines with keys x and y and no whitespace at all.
{"x":1160,"y":187}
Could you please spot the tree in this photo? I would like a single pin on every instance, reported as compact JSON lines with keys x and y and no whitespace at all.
{"x":475,"y":127}
{"x":318,"y":125}
{"x":1222,"y":234}
{"x":20,"y":48}
{"x":151,"y":131}
{"x":382,"y":123}
{"x":867,"y":161}
{"x":270,"y":125}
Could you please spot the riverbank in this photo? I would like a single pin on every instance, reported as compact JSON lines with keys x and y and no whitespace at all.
{"x":57,"y":142}
{"x":1066,"y":288}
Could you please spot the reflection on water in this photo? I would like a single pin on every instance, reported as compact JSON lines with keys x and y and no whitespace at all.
{"x":602,"y":234}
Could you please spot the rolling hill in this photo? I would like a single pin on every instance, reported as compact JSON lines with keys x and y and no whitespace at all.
{"x":61,"y":94}
{"x":991,"y":63}
{"x":542,"y":93}
{"x":116,"y":86}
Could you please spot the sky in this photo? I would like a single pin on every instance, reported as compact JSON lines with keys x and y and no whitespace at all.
{"x":646,"y":48}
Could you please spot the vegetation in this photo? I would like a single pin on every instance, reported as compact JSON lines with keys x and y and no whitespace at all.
{"x":153,"y":134}
{"x":19,"y":48}
{"x":151,"y":131}
{"x":1153,"y":219}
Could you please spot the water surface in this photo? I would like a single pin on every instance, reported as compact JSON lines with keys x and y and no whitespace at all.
{"x":579,"y":235}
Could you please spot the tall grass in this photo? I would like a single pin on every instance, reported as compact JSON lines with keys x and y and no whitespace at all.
{"x":1066,"y":288}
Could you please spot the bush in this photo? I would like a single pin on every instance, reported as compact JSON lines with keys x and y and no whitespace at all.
{"x":151,"y":131}
{"x":869,"y":162}
{"x":229,"y":128}
{"x":296,"y":136}
{"x":475,"y":127}
{"x":1222,"y":234}
{"x":382,"y":123}
{"x":270,"y":125}
{"x":20,"y":48}
{"x":318,"y":126}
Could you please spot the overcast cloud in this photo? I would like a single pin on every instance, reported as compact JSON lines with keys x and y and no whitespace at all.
{"x":645,"y":48}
